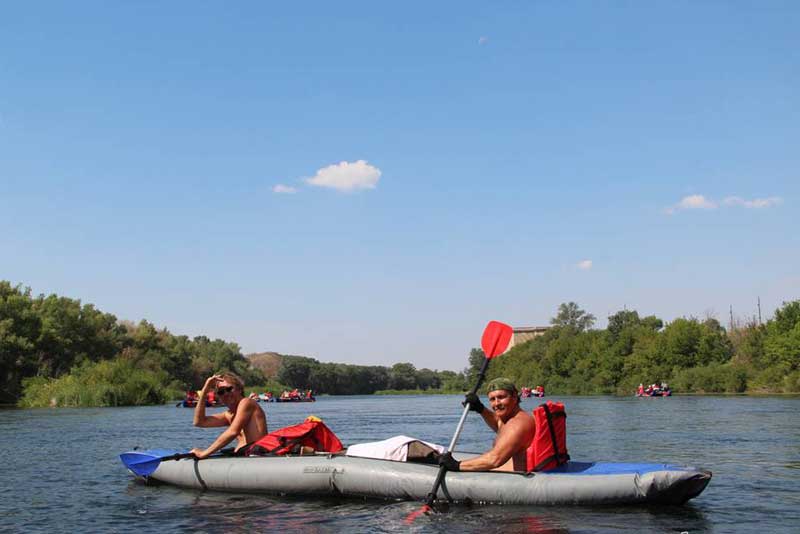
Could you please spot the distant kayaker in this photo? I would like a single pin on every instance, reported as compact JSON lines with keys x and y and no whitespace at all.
{"x":514,"y":427}
{"x":244,"y":418}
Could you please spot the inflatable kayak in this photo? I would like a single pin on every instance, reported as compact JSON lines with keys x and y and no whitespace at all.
{"x":324,"y":474}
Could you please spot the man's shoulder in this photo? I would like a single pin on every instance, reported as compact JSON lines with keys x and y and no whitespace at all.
{"x":523,"y":418}
{"x":520,"y":420}
{"x":250,"y":403}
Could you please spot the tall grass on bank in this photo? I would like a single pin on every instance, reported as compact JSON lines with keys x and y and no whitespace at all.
{"x":106,"y":383}
{"x":713,"y":378}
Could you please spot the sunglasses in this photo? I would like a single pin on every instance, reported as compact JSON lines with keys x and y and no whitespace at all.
{"x":224,"y":390}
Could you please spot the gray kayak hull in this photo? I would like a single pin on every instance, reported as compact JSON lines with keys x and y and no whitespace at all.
{"x":337,"y":475}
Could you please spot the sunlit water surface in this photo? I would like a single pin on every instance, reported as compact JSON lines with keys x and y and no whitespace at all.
{"x":61,"y":471}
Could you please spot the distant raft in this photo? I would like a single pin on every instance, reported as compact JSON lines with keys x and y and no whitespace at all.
{"x":576,"y":483}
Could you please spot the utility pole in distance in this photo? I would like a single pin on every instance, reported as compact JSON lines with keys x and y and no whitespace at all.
{"x":759,"y":311}
{"x":731,"y":317}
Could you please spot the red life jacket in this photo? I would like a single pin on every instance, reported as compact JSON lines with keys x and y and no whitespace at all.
{"x":549,"y":446}
{"x":310,"y":433}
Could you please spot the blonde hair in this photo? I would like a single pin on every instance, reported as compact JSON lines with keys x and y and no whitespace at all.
{"x":235,"y":380}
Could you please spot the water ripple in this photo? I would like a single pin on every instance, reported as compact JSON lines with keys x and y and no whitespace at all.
{"x":63,"y":467}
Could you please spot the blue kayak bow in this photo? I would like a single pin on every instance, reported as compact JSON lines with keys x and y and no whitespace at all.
{"x":144,"y":463}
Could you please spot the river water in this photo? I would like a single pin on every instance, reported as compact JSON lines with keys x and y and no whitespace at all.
{"x":60,"y":470}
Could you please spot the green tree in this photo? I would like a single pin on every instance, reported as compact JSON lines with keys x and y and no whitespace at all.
{"x":782,"y":340}
{"x":296,"y":371}
{"x":714,"y":345}
{"x":323,"y":378}
{"x":476,"y":359}
{"x":787,"y":317}
{"x":653,"y":323}
{"x":20,"y":327}
{"x":427,"y":379}
{"x":72,"y":333}
{"x":620,"y":321}
{"x":403,"y":376}
{"x":680,"y":342}
{"x":452,"y":381}
{"x":748,"y":345}
{"x":571,"y":316}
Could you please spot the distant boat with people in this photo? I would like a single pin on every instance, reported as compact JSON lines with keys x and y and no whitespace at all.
{"x":295,"y":399}
{"x":527,"y":392}
{"x":192,"y":397}
{"x":287,"y":396}
{"x":654,"y":390}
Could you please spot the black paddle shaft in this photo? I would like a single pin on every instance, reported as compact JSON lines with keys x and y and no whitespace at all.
{"x":431,"y":497}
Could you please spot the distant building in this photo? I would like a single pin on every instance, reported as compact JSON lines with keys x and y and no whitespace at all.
{"x":526,"y":333}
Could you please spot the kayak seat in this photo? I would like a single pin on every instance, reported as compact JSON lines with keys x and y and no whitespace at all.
{"x":420,"y":453}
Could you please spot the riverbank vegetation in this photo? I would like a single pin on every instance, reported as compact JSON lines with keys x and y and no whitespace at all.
{"x":692,"y":355}
{"x":107,"y":383}
{"x":56,"y":351}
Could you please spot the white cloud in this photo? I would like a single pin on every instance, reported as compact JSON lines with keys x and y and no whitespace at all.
{"x":699,"y":202}
{"x":584,"y":265}
{"x":696,"y":202}
{"x":756,"y":203}
{"x":347,"y":176}
{"x":692,"y":202}
{"x":280,"y":188}
{"x":483,"y":40}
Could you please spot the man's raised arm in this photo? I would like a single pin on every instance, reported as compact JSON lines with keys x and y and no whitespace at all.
{"x":200,"y":417}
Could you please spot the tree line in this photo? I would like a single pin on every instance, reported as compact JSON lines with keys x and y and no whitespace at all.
{"x":57,"y":351}
{"x":346,"y":379}
{"x":691,"y":354}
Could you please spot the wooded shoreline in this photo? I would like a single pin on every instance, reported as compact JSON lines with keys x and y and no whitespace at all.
{"x":56,"y":351}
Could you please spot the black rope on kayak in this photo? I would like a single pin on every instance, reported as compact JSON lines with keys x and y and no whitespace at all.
{"x":197,"y":474}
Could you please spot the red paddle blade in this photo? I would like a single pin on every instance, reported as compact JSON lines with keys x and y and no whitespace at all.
{"x":496,"y":338}
{"x":413,"y":515}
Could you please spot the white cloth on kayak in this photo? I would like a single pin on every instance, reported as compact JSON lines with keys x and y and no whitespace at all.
{"x":395,"y":448}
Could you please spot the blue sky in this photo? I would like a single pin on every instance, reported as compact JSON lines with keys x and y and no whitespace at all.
{"x":370,"y":183}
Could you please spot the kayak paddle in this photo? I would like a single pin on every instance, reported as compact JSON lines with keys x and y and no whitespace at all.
{"x":495,"y":340}
{"x":144,"y":463}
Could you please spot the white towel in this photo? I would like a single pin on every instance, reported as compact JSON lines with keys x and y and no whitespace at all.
{"x":395,"y":448}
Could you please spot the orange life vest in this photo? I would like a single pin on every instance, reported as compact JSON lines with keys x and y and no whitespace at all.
{"x":310,"y":433}
{"x":549,"y":446}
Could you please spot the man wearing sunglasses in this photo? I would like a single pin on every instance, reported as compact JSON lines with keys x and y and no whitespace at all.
{"x":244,"y":418}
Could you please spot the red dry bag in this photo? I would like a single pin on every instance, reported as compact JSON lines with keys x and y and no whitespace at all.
{"x":549,"y":447}
{"x":310,"y":433}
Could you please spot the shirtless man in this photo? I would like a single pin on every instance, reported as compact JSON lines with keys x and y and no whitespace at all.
{"x":514,"y":427}
{"x":244,"y":418}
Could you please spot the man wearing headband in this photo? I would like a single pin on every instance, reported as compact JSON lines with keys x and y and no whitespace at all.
{"x":244,"y":418}
{"x":514,"y":428}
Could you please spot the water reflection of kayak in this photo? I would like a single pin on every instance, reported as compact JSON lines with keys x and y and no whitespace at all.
{"x":323,"y":474}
